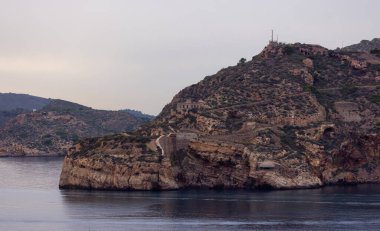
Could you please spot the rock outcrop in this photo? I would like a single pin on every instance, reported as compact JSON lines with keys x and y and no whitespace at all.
{"x":295,"y":116}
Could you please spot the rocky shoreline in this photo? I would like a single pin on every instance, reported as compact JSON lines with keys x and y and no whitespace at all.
{"x":209,"y":165}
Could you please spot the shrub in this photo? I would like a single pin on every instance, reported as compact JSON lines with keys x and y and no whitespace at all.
{"x":376,"y":67}
{"x":75,"y":138}
{"x":376,"y":52}
{"x":375,"y":99}
{"x":289,"y":50}
{"x":192,"y":119}
{"x":348,"y":90}
{"x":142,"y":146}
{"x":242,"y":61}
{"x":311,"y":89}
{"x":62,"y":134}
{"x":47,"y":142}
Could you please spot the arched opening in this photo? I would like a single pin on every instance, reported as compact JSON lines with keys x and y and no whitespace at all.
{"x":329,"y":132}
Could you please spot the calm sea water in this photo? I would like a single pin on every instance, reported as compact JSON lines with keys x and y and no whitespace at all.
{"x":30,"y":200}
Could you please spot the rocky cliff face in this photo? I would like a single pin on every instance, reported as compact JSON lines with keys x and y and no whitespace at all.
{"x":295,"y":116}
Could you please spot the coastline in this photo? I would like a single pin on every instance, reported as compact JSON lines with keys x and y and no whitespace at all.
{"x":10,"y":155}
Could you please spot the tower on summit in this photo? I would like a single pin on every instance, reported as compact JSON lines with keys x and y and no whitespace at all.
{"x":272,"y":39}
{"x":272,"y":36}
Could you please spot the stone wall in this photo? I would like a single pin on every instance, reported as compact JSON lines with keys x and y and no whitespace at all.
{"x":168,"y":143}
{"x":183,"y":139}
{"x":176,"y":141}
{"x":348,"y":111}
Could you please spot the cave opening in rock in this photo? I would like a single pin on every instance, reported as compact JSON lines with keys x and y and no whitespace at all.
{"x":329,"y":132}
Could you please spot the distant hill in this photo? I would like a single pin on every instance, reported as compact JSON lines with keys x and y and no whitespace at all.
{"x":364,"y":46}
{"x":55,"y":124}
{"x":139,"y":114}
{"x":12,"y":104}
{"x":12,"y":101}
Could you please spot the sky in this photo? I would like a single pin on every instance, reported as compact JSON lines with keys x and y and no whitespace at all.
{"x":117,"y":54}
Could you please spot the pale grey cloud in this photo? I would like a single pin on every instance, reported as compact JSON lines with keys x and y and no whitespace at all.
{"x":137,"y":54}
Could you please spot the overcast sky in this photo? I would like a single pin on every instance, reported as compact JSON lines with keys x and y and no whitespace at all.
{"x":115,"y":54}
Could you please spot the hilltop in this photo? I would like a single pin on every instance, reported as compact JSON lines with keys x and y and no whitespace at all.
{"x":364,"y":46}
{"x":37,"y":126}
{"x":12,"y":104}
{"x":295,"y":116}
{"x":12,"y":101}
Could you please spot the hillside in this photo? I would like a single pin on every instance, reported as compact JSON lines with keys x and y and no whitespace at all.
{"x":138,"y":114}
{"x":57,"y":125}
{"x":12,"y":101}
{"x":12,"y":104}
{"x":364,"y":46}
{"x":295,"y":116}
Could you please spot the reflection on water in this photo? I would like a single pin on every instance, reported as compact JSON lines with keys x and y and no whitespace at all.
{"x":332,"y":207}
{"x":31,"y":199}
{"x":30,"y":172}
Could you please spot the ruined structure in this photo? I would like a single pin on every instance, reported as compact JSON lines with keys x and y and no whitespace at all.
{"x":189,"y":105}
{"x":170,"y":144}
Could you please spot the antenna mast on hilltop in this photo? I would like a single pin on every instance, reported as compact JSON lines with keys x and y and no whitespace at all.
{"x":272,"y":36}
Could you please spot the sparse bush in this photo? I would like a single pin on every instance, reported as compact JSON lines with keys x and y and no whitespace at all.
{"x":348,"y":90}
{"x":289,"y":50}
{"x":47,"y":142}
{"x":61,"y":134}
{"x":192,"y":119}
{"x":142,"y":139}
{"x":376,"y":67}
{"x":376,"y":52}
{"x":194,"y":110}
{"x":75,"y":138}
{"x":142,"y":146}
{"x":311,"y":89}
{"x":242,"y":61}
{"x":375,"y":99}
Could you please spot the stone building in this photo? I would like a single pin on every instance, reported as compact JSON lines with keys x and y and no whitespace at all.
{"x":188,"y":105}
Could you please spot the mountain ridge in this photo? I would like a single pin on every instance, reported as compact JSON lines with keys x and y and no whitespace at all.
{"x":49,"y":126}
{"x":364,"y":46}
{"x":11,"y":101}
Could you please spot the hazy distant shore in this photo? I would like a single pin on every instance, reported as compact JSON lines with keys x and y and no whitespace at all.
{"x":5,"y":155}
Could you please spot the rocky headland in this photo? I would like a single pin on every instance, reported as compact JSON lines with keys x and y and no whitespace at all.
{"x":295,"y":116}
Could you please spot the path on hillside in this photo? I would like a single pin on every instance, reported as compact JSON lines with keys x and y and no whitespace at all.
{"x":159,"y":145}
{"x":298,"y":94}
{"x":253,"y":103}
{"x":339,"y":88}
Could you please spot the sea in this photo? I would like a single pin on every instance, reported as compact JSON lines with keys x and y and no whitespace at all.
{"x":30,"y":200}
